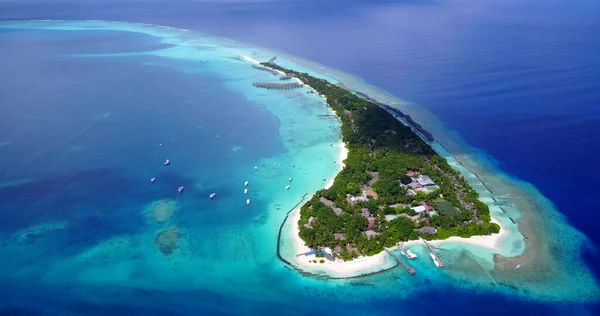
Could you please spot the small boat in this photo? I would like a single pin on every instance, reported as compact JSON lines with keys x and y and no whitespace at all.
{"x":246,"y":183}
{"x":255,"y":168}
{"x":167,"y":162}
{"x":410,"y":254}
{"x":180,"y":189}
{"x":248,"y":202}
{"x":245,"y":191}
{"x":212,"y":195}
{"x":290,"y":179}
{"x":435,"y":260}
{"x":152,"y":180}
{"x":518,"y":266}
{"x":287,"y":187}
{"x":160,"y":145}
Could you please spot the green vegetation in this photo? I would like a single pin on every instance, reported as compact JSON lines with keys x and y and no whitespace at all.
{"x":381,"y":151}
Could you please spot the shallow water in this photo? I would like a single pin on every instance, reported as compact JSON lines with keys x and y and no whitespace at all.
{"x":110,"y":246}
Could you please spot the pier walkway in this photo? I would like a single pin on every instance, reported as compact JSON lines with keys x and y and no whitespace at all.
{"x":433,"y":253}
{"x":409,"y":269}
{"x":278,"y":86}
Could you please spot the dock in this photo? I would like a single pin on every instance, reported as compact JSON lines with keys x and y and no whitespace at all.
{"x":278,"y":86}
{"x":410,"y":270}
{"x":433,"y":253}
{"x":272,"y":60}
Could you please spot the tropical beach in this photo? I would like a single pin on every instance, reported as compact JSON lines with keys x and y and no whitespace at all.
{"x":124,"y":242}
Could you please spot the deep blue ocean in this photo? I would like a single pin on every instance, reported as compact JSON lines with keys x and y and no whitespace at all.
{"x":517,"y":79}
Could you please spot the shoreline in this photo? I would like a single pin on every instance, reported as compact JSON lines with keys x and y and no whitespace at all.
{"x":363,"y":264}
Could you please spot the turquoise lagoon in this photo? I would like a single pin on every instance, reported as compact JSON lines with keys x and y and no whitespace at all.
{"x":80,"y":152}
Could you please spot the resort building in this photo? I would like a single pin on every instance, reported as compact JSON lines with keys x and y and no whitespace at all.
{"x":310,"y":221}
{"x":426,"y":230}
{"x":424,"y":180}
{"x":371,"y":233}
{"x":419,"y":209}
{"x":339,"y":236}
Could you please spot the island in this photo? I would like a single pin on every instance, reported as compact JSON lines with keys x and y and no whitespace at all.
{"x":394,"y":187}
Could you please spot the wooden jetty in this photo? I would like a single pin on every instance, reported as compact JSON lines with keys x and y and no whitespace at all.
{"x":272,"y":60}
{"x":433,"y":253}
{"x":277,"y":86}
{"x":286,"y":77}
{"x":409,"y":269}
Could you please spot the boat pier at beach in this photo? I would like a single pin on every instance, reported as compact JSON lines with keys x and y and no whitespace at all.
{"x":433,"y":253}
{"x":277,"y":86}
{"x":400,"y":261}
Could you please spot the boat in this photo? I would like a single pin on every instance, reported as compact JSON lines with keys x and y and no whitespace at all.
{"x":246,"y":183}
{"x":247,"y":201}
{"x":152,"y":180}
{"x":255,"y":168}
{"x":410,"y":254}
{"x":212,"y":195}
{"x":180,"y":189}
{"x":160,"y":145}
{"x":167,"y":162}
{"x":290,"y":179}
{"x":435,"y":260}
{"x":245,"y":191}
{"x":287,"y":187}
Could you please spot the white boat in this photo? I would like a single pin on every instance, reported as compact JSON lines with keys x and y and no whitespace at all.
{"x":245,"y":191}
{"x":180,"y":189}
{"x":212,"y":195}
{"x":160,"y":145}
{"x":167,"y":162}
{"x":248,"y":201}
{"x":152,"y":180}
{"x":246,"y":183}
{"x":410,"y":254}
{"x":290,"y":179}
{"x":287,"y":187}
{"x":255,"y":168}
{"x":435,"y":261}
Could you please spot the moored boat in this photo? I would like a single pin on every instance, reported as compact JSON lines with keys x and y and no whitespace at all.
{"x":435,"y":260}
{"x":287,"y":187}
{"x":246,"y":183}
{"x":245,"y":191}
{"x":212,"y":195}
{"x":410,"y":254}
{"x":167,"y":162}
{"x":247,"y":201}
{"x":180,"y":189}
{"x":152,"y":180}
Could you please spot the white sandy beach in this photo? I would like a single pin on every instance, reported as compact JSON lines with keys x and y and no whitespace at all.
{"x":338,"y":268}
{"x":361,"y":265}
{"x":490,"y":242}
{"x":342,"y":155}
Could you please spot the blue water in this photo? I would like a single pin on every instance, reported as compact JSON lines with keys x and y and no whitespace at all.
{"x":518,"y":80}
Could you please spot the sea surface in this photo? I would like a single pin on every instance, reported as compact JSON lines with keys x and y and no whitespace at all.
{"x":85,"y":105}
